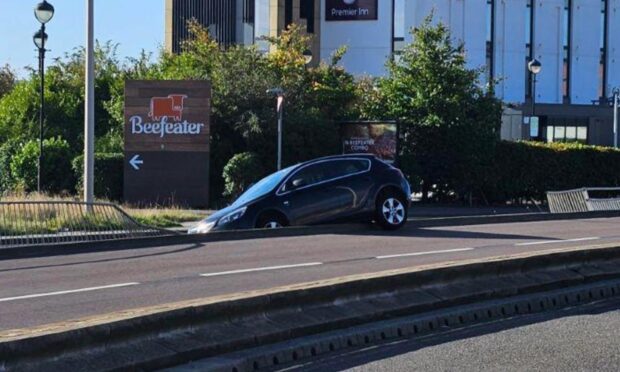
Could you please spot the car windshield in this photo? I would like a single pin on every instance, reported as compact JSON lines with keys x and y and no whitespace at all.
{"x":263,"y":186}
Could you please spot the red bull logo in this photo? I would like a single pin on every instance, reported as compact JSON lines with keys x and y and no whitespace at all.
{"x":170,"y":107}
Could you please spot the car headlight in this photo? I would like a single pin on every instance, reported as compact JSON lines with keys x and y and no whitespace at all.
{"x":232,"y":216}
{"x":202,"y":228}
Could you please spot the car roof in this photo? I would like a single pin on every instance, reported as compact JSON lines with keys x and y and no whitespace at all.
{"x":346,"y":156}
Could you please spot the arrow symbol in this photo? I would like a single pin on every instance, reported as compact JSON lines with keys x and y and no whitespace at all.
{"x":136,"y":162}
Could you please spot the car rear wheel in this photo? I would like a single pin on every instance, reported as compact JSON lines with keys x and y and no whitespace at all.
{"x":271,"y":221}
{"x":391,"y":211}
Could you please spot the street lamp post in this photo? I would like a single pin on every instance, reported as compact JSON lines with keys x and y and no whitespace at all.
{"x":89,"y":108}
{"x":534,"y":67}
{"x":43,"y":12}
{"x":279,"y":93}
{"x":616,"y":93}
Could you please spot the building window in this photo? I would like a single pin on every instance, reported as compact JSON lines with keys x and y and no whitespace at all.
{"x":249,"y":8}
{"x":602,"y":91}
{"x":558,"y":133}
{"x":219,"y":16}
{"x":398,"y":33}
{"x":288,"y":13}
{"x":490,"y":37}
{"x":306,"y":11}
{"x":566,"y":130}
{"x":529,"y":42}
{"x":566,"y":46}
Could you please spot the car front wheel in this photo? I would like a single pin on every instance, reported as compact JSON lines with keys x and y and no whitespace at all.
{"x":391,"y":211}
{"x":271,"y":221}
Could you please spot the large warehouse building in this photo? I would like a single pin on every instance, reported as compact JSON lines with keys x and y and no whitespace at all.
{"x":576,"y":41}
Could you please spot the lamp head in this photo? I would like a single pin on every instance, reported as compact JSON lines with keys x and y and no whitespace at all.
{"x":276,"y":91}
{"x":44,"y":12}
{"x":534,"y":66}
{"x":307,"y":56}
{"x":40,"y":39}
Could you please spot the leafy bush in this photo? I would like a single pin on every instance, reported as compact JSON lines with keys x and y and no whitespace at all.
{"x":7,"y":150}
{"x":56,"y":174}
{"x":108,"y":175}
{"x":529,"y":169}
{"x":240,"y":172}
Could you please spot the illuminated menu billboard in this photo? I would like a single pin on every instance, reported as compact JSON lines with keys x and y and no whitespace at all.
{"x":378,"y":138}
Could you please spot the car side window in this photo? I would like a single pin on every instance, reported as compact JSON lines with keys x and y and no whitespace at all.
{"x":343,"y":168}
{"x":308,"y":176}
{"x":325,"y":171}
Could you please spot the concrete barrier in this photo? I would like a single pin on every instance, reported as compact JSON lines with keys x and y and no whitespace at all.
{"x":136,"y":243}
{"x":167,"y":335}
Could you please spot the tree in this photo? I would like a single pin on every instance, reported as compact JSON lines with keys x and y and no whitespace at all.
{"x":7,"y":80}
{"x":449,"y":122}
{"x":64,"y":97}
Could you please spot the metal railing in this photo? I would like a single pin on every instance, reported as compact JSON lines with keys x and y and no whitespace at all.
{"x":581,"y":200}
{"x":56,"y":222}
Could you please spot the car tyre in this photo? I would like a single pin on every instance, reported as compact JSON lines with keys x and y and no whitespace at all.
{"x":391,"y":211}
{"x":271,"y":221}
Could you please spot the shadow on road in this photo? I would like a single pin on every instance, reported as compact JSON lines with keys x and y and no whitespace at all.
{"x":419,"y":232}
{"x":123,"y":258}
{"x":362,"y":356}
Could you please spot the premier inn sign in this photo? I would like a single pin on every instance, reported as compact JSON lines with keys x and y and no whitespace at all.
{"x":167,"y":142}
{"x":351,"y":10}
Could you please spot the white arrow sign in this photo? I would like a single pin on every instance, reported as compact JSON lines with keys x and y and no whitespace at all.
{"x":136,"y":162}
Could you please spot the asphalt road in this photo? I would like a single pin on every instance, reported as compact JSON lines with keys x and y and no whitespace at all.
{"x":578,"y":339}
{"x":38,"y":291}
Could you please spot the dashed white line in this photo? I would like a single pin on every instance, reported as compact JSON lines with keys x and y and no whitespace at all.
{"x":269,"y":268}
{"x":559,"y":241}
{"x":7,"y":299}
{"x":424,"y":253}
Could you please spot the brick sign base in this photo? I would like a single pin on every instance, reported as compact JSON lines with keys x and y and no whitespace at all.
{"x":167,"y":143}
{"x":163,"y":181}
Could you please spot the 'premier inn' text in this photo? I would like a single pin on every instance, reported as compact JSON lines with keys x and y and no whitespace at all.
{"x":163,"y":127}
{"x":350,"y":12}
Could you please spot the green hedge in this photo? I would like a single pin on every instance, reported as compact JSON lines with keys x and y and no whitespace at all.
{"x":240,"y":172}
{"x":56,"y":174}
{"x":7,"y":151}
{"x":530,"y":169}
{"x":108,"y":175}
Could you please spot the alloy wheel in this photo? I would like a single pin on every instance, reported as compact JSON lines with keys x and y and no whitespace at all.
{"x":272,"y":225}
{"x":393,"y":211}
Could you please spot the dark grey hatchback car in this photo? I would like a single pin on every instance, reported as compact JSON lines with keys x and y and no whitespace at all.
{"x":332,"y":189}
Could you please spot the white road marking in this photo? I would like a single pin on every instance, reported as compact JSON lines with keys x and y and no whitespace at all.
{"x":559,"y":241}
{"x":424,"y":253}
{"x":269,"y":268}
{"x":67,"y":292}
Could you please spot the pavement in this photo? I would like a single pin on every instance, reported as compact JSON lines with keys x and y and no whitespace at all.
{"x":43,"y":290}
{"x":423,"y":211}
{"x":419,"y":211}
{"x":578,"y":339}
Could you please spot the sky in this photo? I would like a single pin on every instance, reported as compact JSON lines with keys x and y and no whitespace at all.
{"x":133,"y":24}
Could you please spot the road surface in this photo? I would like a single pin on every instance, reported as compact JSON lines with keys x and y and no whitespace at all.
{"x":579,"y":339}
{"x":38,"y":291}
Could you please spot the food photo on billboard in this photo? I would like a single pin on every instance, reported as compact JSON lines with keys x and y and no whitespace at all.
{"x":377,"y":138}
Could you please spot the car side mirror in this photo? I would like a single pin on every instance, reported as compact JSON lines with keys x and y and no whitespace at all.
{"x":299,"y":182}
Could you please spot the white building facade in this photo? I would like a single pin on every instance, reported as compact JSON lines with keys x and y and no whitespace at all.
{"x":576,"y":41}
